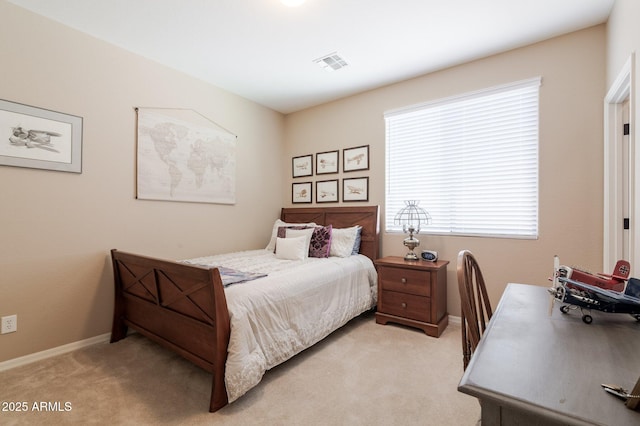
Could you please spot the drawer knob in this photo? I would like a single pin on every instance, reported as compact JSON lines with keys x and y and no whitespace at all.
{"x":403,"y":280}
{"x":404,"y":305}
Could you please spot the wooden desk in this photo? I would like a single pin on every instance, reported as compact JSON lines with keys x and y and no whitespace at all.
{"x":534,"y":369}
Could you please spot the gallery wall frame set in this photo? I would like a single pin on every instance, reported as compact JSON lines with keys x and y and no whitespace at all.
{"x":327,"y":191}
{"x":39,"y":138}
{"x":328,"y":162}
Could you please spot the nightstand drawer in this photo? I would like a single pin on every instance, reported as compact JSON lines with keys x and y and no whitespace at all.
{"x":405,"y":280}
{"x":406,"y":305}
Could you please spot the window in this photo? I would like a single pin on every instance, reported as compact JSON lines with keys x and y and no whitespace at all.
{"x":471,"y":160}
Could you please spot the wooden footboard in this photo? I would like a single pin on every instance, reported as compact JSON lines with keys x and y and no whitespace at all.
{"x":182,"y":307}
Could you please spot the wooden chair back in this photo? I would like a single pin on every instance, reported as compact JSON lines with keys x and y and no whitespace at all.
{"x":475,"y":304}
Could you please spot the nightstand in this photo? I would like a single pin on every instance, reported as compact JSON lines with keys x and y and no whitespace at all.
{"x":413,"y":293}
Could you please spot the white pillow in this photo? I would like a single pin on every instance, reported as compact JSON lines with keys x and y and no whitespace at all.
{"x":306,"y":233}
{"x":274,"y":233}
{"x":291,"y":248}
{"x":343,"y":240}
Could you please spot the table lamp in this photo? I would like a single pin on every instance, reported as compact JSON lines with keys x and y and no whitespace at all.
{"x":411,"y":216}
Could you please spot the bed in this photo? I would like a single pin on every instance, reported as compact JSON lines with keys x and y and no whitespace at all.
{"x":185,"y":307}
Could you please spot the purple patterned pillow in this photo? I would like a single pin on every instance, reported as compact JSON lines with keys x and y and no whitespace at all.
{"x":320,"y":245}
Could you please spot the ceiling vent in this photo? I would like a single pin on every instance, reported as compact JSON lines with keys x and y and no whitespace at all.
{"x":331,"y":62}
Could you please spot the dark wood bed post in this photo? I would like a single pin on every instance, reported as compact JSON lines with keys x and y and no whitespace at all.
{"x":119,"y":328}
{"x":219,"y":396}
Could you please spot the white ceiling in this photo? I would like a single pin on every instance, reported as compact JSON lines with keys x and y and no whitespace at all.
{"x":264,"y":51}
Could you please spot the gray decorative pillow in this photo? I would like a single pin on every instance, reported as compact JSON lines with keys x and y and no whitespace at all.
{"x":356,"y":245}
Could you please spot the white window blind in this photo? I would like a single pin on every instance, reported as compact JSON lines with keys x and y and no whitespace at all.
{"x":471,"y":160}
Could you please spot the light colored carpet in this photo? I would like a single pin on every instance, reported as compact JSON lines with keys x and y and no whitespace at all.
{"x":363,"y":374}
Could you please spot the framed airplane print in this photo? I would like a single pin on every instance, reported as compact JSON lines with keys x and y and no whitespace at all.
{"x":39,"y":138}
{"x":301,"y":192}
{"x":355,"y":158}
{"x":302,"y":166}
{"x":327,"y":191}
{"x":355,"y":189}
{"x":327,"y":162}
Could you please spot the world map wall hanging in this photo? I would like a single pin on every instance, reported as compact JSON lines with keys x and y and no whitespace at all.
{"x":184,"y":156}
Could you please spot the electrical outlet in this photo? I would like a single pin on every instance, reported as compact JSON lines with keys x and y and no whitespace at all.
{"x":9,"y":324}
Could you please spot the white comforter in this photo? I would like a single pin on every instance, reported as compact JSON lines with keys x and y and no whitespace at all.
{"x":296,"y":305}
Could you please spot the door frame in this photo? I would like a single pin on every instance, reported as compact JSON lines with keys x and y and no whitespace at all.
{"x":620,"y":91}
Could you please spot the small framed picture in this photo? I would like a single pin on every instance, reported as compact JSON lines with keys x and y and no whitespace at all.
{"x":301,"y":192}
{"x":327,"y":191}
{"x":355,"y":158}
{"x":38,"y":138}
{"x":327,"y":162}
{"x":302,"y":166}
{"x":355,"y":189}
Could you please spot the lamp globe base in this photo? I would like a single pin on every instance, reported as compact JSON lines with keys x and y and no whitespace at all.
{"x":411,"y":256}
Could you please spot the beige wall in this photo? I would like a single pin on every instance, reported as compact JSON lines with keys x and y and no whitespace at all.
{"x":56,"y":228}
{"x":623,"y":36}
{"x":623,"y":41}
{"x":572,"y":68}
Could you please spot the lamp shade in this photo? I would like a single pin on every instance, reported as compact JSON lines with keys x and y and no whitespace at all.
{"x":412,"y":216}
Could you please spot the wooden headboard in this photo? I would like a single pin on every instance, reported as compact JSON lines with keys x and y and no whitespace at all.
{"x":342,"y":217}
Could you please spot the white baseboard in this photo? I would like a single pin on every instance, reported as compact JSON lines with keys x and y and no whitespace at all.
{"x":28,"y":359}
{"x":103,"y":338}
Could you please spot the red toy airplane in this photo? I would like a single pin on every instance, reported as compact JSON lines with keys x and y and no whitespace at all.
{"x":615,"y":293}
{"x":616,"y":281}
